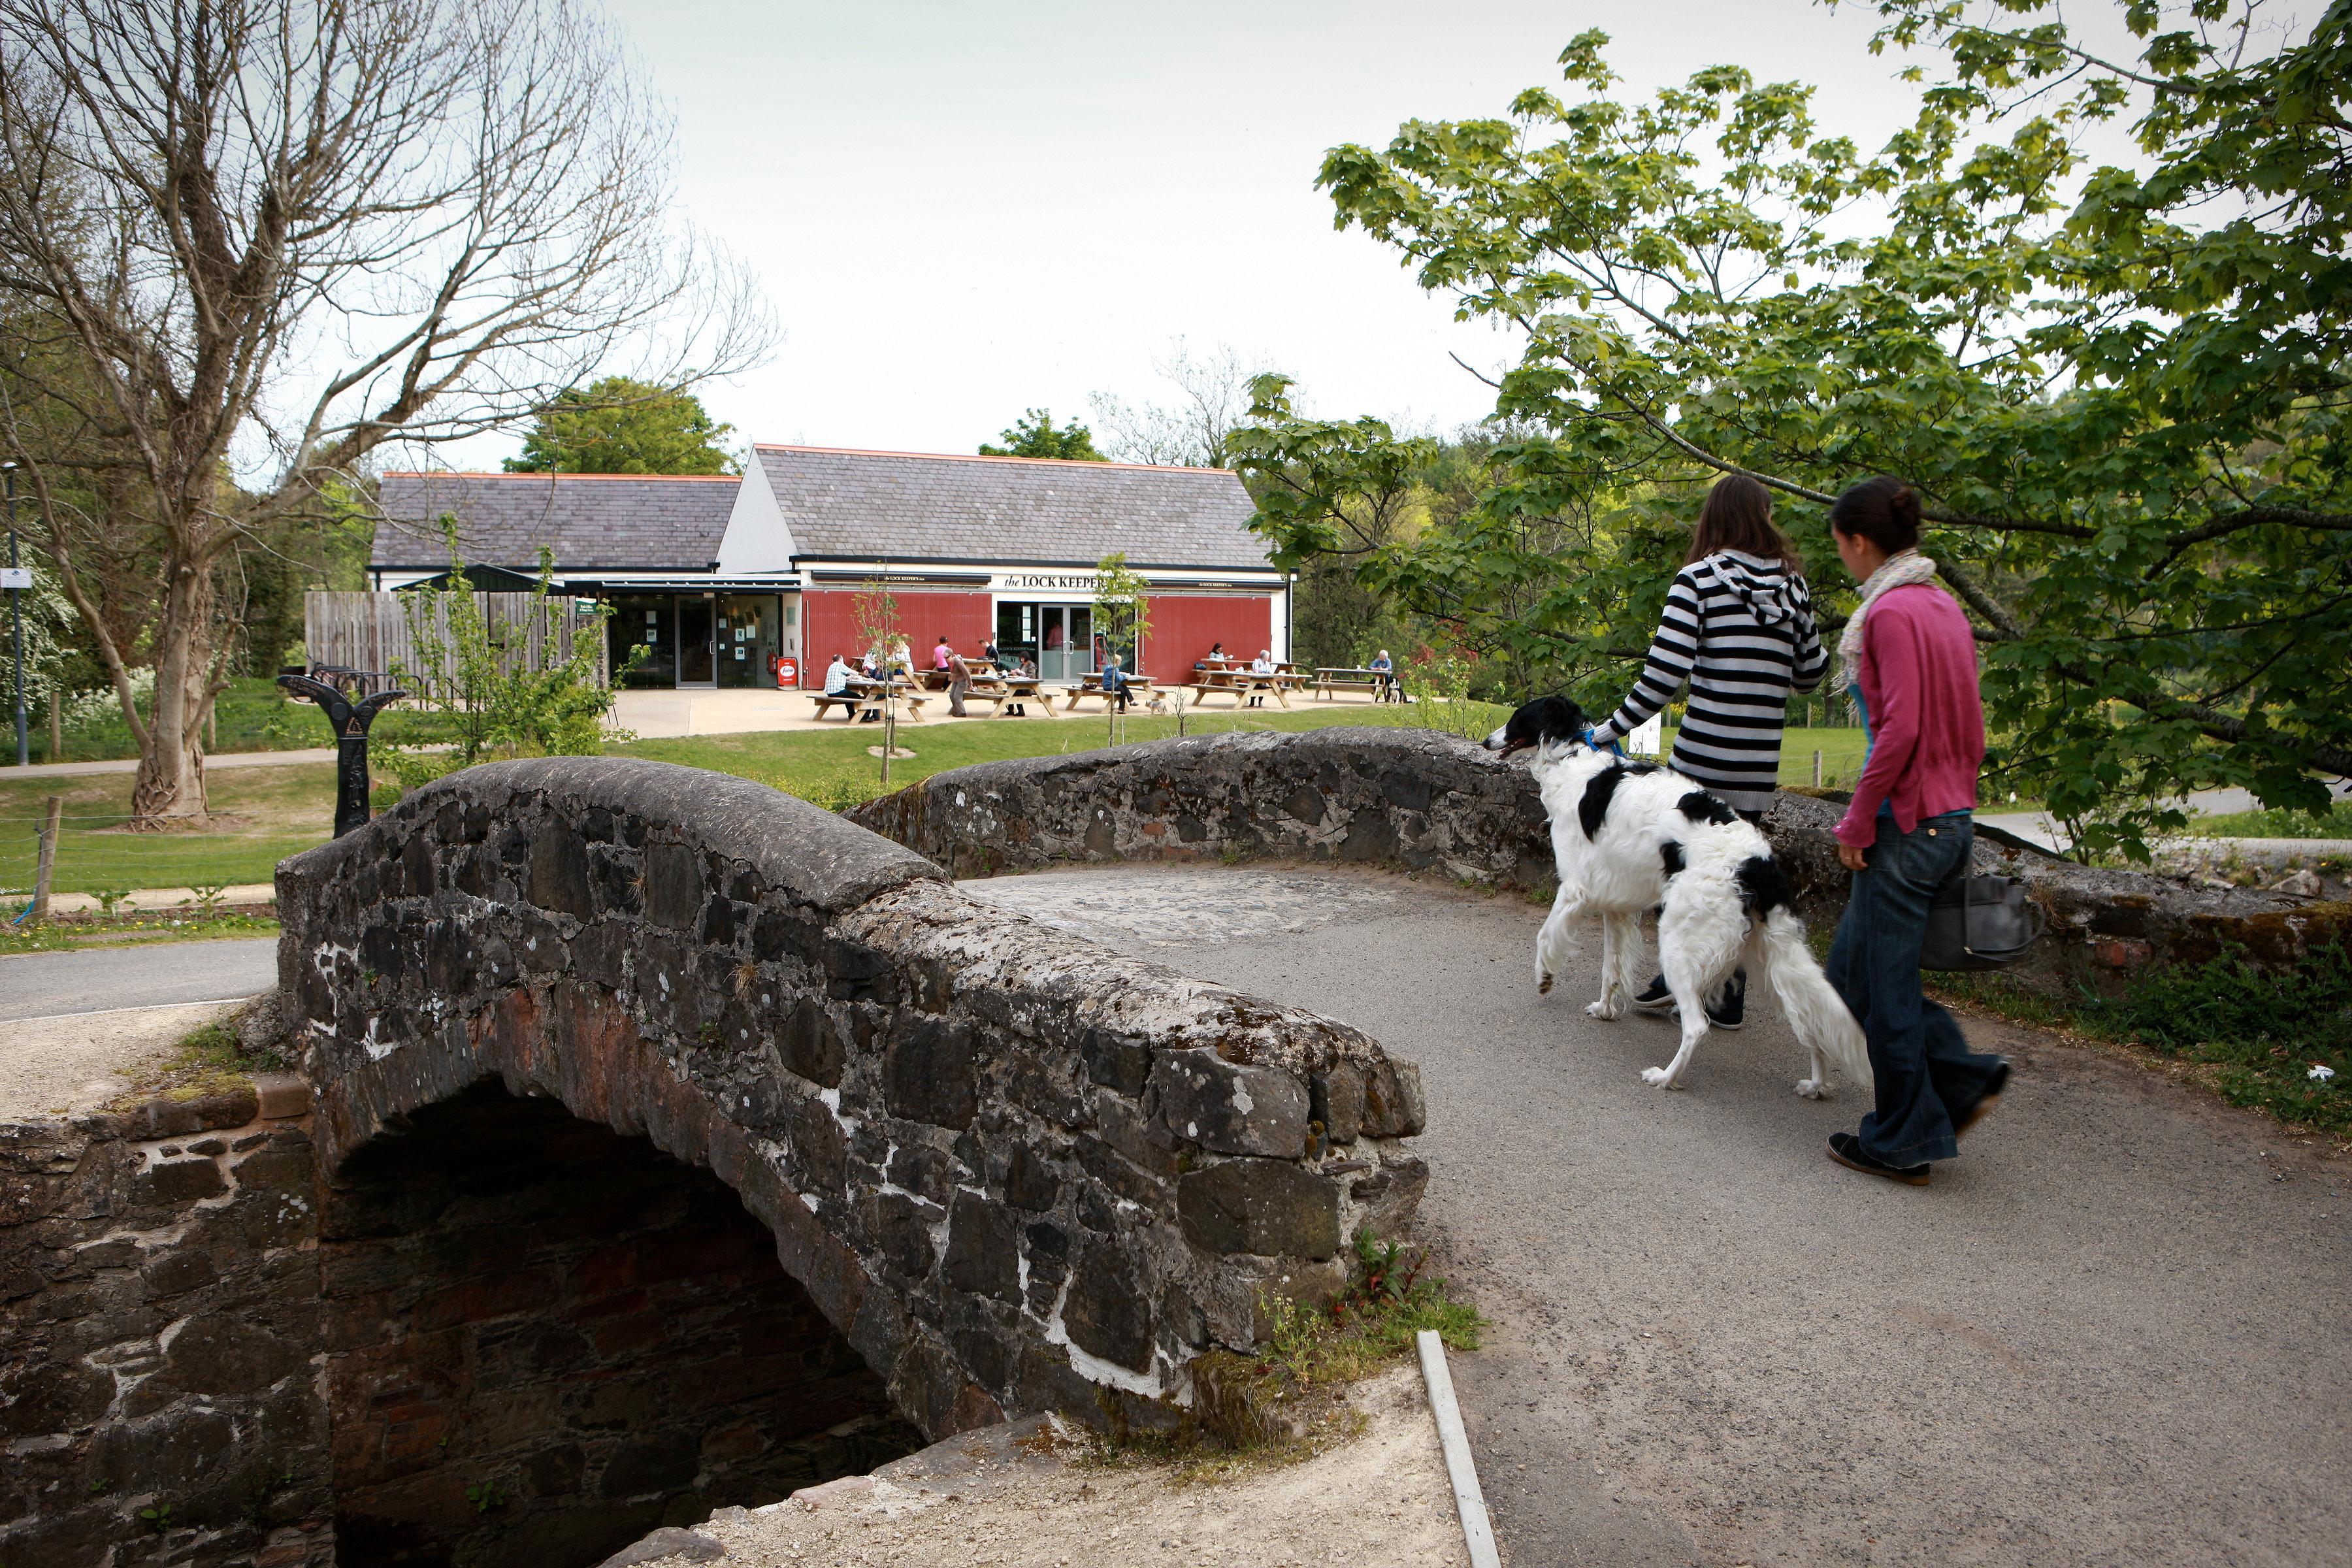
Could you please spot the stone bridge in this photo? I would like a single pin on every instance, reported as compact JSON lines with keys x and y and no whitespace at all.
{"x":1014,"y":1169}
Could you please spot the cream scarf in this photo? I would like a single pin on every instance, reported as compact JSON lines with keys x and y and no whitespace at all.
{"x":1899,"y":569}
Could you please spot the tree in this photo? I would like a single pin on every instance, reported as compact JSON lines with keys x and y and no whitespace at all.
{"x":2120,"y":390}
{"x":477,"y":675}
{"x":1033,"y":435}
{"x":1212,"y":400}
{"x":623,"y":426}
{"x":1122,"y":616}
{"x":274,"y":234}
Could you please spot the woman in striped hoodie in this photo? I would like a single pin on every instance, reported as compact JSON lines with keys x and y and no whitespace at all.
{"x":1739,"y":626}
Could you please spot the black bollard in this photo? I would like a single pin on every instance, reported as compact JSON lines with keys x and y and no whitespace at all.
{"x":351,"y":720}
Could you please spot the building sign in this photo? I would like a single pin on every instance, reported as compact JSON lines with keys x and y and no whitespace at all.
{"x":16,"y":576}
{"x":1044,"y":583}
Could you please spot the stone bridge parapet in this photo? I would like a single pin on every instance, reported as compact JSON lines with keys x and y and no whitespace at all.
{"x":1014,"y":1168}
{"x":1429,"y":801}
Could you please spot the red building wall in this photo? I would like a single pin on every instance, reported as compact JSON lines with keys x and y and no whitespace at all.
{"x":829,"y":624}
{"x":1186,"y":626}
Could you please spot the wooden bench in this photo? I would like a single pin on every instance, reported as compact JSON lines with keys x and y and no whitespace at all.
{"x":1241,"y":683}
{"x":1381,"y":683}
{"x":1138,"y":689}
{"x":855,"y":702}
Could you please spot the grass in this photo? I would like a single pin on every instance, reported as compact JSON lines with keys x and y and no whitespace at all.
{"x":2337,"y":824}
{"x":72,"y":934}
{"x":262,"y":815}
{"x":210,"y":1060}
{"x":252,"y":715}
{"x":2252,"y":1035}
{"x":265,"y":814}
{"x":832,"y":768}
{"x":1285,"y":1404}
{"x":1840,"y":752}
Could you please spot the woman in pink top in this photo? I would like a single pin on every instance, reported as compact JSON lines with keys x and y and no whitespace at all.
{"x":1910,"y":659}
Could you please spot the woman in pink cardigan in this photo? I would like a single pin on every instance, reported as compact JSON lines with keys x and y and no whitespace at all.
{"x":1910,"y":661}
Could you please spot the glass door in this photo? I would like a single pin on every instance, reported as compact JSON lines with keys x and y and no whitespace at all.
{"x":696,"y":665}
{"x":1053,"y":643}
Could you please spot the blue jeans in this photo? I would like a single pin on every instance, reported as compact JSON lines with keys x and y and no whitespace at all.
{"x":1926,"y":1074}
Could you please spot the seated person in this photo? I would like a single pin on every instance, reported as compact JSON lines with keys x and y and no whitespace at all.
{"x":1114,"y":684}
{"x":943,"y":657}
{"x":837,"y":676}
{"x":1261,"y":665}
{"x":1216,"y":659}
{"x":1383,"y":681}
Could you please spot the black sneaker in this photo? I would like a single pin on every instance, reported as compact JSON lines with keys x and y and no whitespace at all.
{"x":1846,"y":1150}
{"x":1729,"y":1010}
{"x":1654,"y":997}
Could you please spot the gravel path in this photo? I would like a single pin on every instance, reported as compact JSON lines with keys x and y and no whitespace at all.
{"x":2115,"y":1332}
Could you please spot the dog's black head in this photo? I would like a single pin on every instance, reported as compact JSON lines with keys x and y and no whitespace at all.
{"x":1545,"y":719}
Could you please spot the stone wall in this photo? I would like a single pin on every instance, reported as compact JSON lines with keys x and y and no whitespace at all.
{"x":586,"y":1336}
{"x":1015,"y":1169}
{"x":160,"y":1394}
{"x":1422,"y":800}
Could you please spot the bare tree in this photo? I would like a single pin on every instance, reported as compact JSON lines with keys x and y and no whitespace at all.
{"x":261,"y":238}
{"x":1213,"y":398}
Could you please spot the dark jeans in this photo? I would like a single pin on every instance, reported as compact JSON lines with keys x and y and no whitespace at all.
{"x":1926,"y":1074}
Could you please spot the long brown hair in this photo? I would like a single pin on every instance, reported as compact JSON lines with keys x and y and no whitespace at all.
{"x":1738,"y":515}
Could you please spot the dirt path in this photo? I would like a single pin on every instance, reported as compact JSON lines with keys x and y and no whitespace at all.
{"x":2117,"y":1332}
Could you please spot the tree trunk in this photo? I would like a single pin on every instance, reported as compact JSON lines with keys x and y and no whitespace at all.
{"x":170,"y":789}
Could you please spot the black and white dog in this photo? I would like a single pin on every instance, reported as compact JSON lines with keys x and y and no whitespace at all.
{"x":1631,"y":836}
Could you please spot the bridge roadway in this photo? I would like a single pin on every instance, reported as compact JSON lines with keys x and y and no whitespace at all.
{"x":2114,"y":1332}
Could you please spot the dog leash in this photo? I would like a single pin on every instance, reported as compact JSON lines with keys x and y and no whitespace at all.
{"x":1612,"y":748}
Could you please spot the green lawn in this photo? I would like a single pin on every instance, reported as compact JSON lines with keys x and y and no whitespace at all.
{"x":2337,"y":824}
{"x":271,"y":811}
{"x":263,"y":814}
{"x":252,"y":715}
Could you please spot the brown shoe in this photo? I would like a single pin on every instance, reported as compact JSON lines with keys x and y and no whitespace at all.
{"x":1985,"y":1103}
{"x":1847,"y":1150}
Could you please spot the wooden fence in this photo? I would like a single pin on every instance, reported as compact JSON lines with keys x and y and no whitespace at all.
{"x":378,"y":631}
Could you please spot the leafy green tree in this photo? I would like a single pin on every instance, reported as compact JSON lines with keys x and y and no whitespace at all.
{"x":1034,"y":434}
{"x":1122,"y":617}
{"x":2120,"y":390}
{"x":621,"y":426}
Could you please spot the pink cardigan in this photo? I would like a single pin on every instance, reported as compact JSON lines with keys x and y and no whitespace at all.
{"x":1919,"y":681}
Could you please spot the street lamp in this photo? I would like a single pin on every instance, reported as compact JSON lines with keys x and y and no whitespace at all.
{"x":18,"y":579}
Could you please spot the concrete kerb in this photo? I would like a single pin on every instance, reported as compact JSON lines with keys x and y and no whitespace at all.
{"x":1017,"y":1171}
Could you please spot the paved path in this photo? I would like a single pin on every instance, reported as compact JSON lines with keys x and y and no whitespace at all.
{"x":2116,"y":1332}
{"x":147,"y":974}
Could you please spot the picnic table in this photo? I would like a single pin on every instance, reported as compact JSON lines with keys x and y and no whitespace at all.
{"x":865,"y":696}
{"x":1138,"y":687}
{"x":1243,"y":683}
{"x":1382,"y":683}
{"x":1007,"y":691}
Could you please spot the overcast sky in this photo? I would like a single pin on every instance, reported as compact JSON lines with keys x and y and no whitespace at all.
{"x":960,"y":210}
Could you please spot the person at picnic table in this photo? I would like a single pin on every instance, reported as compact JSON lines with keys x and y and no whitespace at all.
{"x":837,"y":676}
{"x":1384,"y":680}
{"x":942,"y":656}
{"x":996,"y":662}
{"x":1216,"y":654}
{"x":902,"y":657}
{"x":1114,"y":684}
{"x":1261,"y":665}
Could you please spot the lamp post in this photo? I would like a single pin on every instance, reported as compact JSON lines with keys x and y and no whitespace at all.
{"x":18,"y":579}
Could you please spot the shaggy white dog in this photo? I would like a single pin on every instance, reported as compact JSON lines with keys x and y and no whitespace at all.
{"x":1632,"y":836}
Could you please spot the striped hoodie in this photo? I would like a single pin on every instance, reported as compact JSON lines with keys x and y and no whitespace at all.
{"x":1740,"y":630}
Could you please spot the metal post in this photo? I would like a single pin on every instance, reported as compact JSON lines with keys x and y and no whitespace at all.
{"x":16,"y":615}
{"x":349,"y":721}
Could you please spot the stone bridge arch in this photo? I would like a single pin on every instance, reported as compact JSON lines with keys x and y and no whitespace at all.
{"x":1014,"y":1168}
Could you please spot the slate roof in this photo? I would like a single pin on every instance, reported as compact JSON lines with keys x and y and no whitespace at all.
{"x":889,"y":506}
{"x":617,"y":523}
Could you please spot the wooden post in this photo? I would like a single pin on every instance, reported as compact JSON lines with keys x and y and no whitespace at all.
{"x":51,"y":818}
{"x":56,"y":725}
{"x":1817,"y":770}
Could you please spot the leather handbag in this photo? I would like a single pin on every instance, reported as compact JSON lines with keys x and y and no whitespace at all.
{"x":1980,"y":922}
